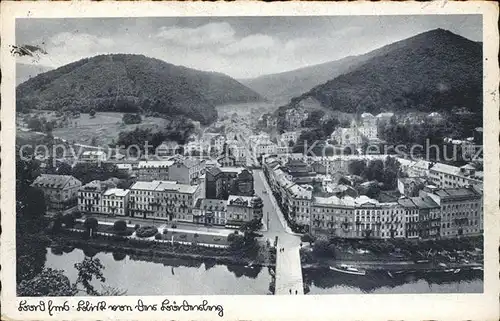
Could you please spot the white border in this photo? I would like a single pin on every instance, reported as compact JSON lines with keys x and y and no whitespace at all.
{"x":320,"y":307}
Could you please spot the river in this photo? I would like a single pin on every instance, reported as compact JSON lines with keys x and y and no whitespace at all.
{"x":174,"y":276}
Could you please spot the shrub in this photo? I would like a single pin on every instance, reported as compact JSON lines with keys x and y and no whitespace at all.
{"x":120,"y":226}
{"x":165,"y":231}
{"x":69,"y":220}
{"x":146,"y":231}
{"x":182,"y":236}
{"x":91,"y":223}
{"x":131,"y":118}
{"x":77,"y":214}
{"x":307,"y":238}
{"x":158,"y":236}
{"x":137,"y":226}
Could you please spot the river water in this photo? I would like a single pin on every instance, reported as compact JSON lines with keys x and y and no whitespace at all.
{"x":174,"y":276}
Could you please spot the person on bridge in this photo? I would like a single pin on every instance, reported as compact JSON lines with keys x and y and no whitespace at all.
{"x":290,"y":290}
{"x":295,"y":291}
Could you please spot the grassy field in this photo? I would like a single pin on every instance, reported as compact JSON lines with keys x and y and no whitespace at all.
{"x":104,"y":127}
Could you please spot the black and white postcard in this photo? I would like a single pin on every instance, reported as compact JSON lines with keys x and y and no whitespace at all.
{"x":249,"y":161}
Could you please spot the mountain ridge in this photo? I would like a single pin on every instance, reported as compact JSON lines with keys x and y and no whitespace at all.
{"x":131,"y":83}
{"x":434,"y":70}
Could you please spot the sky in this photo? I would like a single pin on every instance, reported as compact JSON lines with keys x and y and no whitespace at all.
{"x":241,"y":47}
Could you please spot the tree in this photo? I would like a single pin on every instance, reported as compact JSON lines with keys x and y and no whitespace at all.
{"x":92,"y":113}
{"x":91,"y":225}
{"x":307,"y":238}
{"x":357,"y":167}
{"x":251,"y":226}
{"x":321,"y":248}
{"x":47,"y":283}
{"x":69,"y":220}
{"x":87,"y":270}
{"x":120,"y":226}
{"x":131,"y":118}
{"x":236,"y":241}
{"x":57,"y":224}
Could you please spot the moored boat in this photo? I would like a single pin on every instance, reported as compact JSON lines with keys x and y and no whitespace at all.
{"x":347,"y":269}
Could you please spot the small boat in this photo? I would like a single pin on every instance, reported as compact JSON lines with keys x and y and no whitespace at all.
{"x":478,"y":268}
{"x":390,"y":274}
{"x":449,"y":270}
{"x":442,"y":265}
{"x":249,"y":265}
{"x":348,"y":269}
{"x":456,"y":271}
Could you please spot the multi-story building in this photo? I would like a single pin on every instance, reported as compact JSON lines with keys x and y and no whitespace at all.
{"x":410,"y":186}
{"x":299,"y":198}
{"x":461,"y":210}
{"x":90,"y":196}
{"x":60,"y":191}
{"x":153,"y":170}
{"x":292,"y":136}
{"x":166,"y":149}
{"x":447,"y":176}
{"x":333,"y":216}
{"x":429,"y":217}
{"x":115,"y":202}
{"x":163,"y":200}
{"x":186,"y":171}
{"x":419,"y":168}
{"x":369,"y":127}
{"x":222,"y":181}
{"x":93,"y":156}
{"x":242,"y":209}
{"x":210,"y":211}
{"x":411,"y":218}
{"x":264,"y":147}
{"x":347,"y":136}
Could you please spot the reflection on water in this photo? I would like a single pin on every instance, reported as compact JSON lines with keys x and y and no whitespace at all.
{"x":163,"y":276}
{"x":154,"y":275}
{"x":325,"y":281}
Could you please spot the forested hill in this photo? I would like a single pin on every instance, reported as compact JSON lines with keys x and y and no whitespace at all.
{"x":433,"y":71}
{"x":121,"y":82}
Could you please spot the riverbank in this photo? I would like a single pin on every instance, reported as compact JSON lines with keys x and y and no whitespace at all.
{"x":152,"y":249}
{"x":397,"y":266}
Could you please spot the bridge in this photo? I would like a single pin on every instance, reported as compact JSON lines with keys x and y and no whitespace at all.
{"x":288,"y":271}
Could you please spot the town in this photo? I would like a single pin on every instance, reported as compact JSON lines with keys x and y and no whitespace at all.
{"x":359,"y":175}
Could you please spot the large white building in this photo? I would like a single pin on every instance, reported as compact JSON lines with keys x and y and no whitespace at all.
{"x":115,"y":202}
{"x":164,"y":200}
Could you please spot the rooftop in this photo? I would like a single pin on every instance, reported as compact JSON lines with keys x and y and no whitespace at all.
{"x":117,"y":192}
{"x":457,"y":193}
{"x":155,"y":164}
{"x":52,"y":181}
{"x":172,"y":186}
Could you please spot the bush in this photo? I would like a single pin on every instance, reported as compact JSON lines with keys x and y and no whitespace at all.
{"x":307,"y":238}
{"x":146,"y":231}
{"x":91,"y":223}
{"x":165,"y":231}
{"x":131,"y":118}
{"x":137,"y":226}
{"x":182,"y":236}
{"x":77,"y":214}
{"x":69,"y":220}
{"x":120,"y":226}
{"x":158,"y":236}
